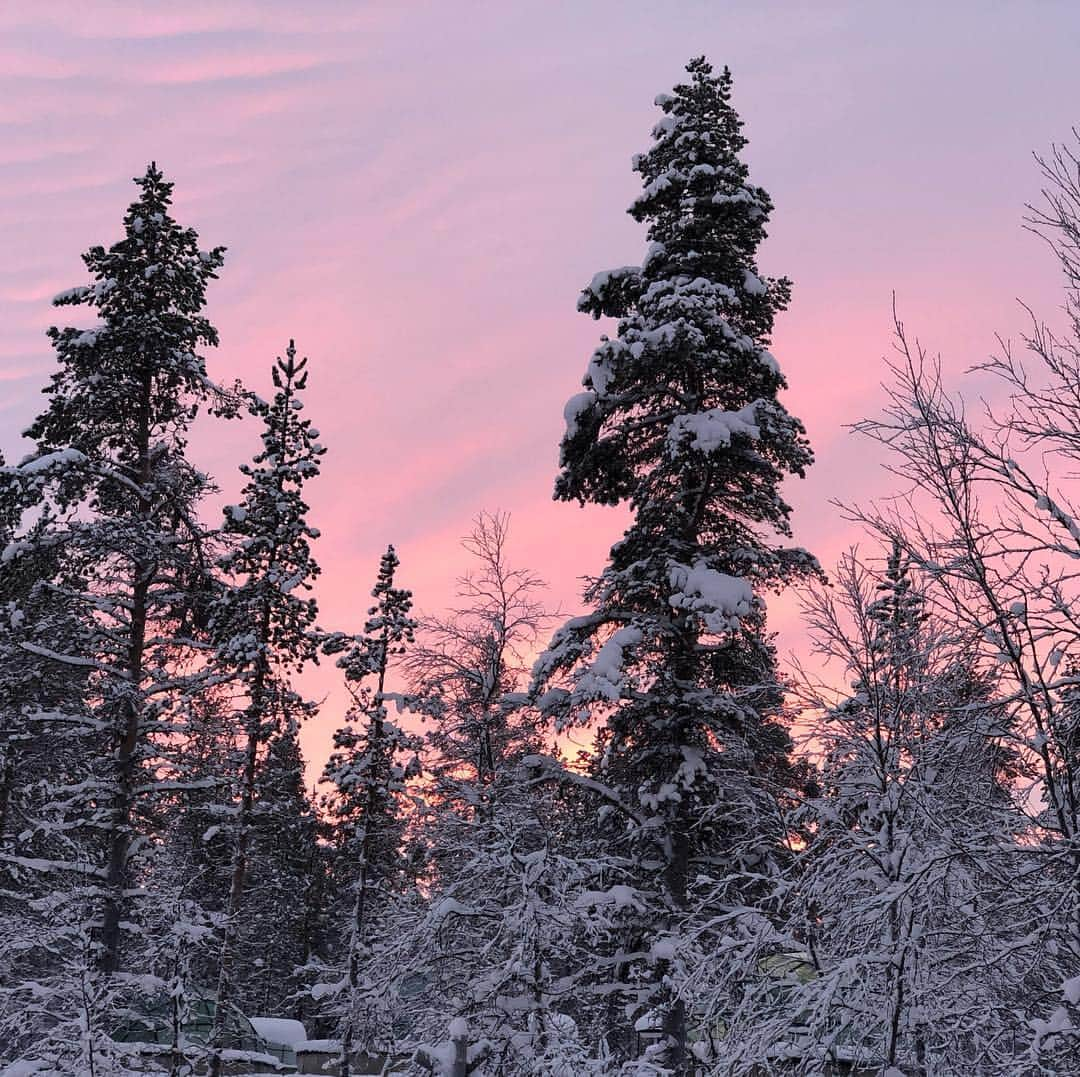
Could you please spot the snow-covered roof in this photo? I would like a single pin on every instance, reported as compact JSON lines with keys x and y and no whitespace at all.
{"x":281,"y":1030}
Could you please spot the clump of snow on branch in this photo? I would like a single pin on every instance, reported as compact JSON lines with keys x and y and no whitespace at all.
{"x":604,"y":677}
{"x":577,"y":406}
{"x":719,"y":599}
{"x":710,"y":430}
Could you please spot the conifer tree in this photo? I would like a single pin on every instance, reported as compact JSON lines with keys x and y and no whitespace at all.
{"x":265,"y":619}
{"x":281,"y":928}
{"x":680,"y":419}
{"x":46,"y":733}
{"x":367,"y":774}
{"x":115,"y":535}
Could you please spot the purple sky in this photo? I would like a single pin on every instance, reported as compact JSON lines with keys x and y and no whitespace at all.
{"x":417,"y":192}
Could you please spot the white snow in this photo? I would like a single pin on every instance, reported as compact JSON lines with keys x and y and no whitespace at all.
{"x":663,"y":950}
{"x":281,"y":1030}
{"x":603,"y":679}
{"x":602,"y":279}
{"x":664,"y":126}
{"x":576,"y":406}
{"x":622,"y":897}
{"x":656,"y":250}
{"x":720,"y":599}
{"x":12,"y":550}
{"x":739,"y":195}
{"x":23,"y":1069}
{"x":599,"y":372}
{"x":768,"y":360}
{"x":87,"y":338}
{"x":649,"y":1022}
{"x":713,"y":429}
{"x":67,"y":294}
{"x":459,"y":1028}
{"x":62,"y":457}
{"x":1059,"y":1022}
{"x":692,"y":765}
{"x":753,"y":284}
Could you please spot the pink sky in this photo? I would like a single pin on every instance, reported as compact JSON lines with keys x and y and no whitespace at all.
{"x":417,"y":191}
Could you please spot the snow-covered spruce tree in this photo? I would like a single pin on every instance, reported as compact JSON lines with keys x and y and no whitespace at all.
{"x":367,"y":807}
{"x":496,"y":938}
{"x":195,"y":859}
{"x":680,"y":418}
{"x":265,"y":618}
{"x":112,"y":481}
{"x":281,"y":927}
{"x":45,"y":734}
{"x":42,"y":707}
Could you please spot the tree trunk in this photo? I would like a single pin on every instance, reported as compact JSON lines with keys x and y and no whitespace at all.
{"x":124,"y":800}
{"x":240,"y":857}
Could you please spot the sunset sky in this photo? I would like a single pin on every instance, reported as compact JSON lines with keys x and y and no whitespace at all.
{"x":417,"y":193}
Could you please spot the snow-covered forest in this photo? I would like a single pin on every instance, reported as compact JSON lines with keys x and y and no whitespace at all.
{"x":865,"y":864}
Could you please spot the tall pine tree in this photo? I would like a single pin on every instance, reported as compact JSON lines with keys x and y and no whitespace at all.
{"x":680,"y":419}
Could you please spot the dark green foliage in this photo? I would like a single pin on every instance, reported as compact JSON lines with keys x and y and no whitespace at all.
{"x":680,"y":418}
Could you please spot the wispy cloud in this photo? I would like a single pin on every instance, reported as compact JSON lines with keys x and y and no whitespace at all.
{"x":416,"y":192}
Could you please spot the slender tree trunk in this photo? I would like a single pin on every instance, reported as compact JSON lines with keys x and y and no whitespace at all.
{"x":240,"y":856}
{"x":256,"y":716}
{"x":360,"y":909}
{"x":674,"y":1027}
{"x":130,"y":711}
{"x":461,"y":1056}
{"x":7,"y":786}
